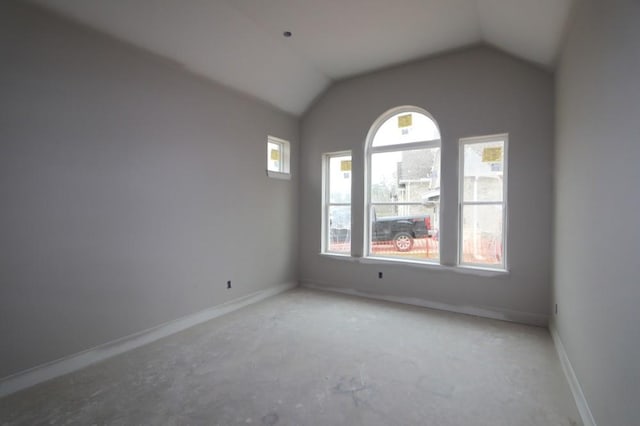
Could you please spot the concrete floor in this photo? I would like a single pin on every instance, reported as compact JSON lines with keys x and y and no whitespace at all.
{"x":313,"y":358}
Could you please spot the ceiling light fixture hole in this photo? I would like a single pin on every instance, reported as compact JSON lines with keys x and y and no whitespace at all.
{"x":287,"y":34}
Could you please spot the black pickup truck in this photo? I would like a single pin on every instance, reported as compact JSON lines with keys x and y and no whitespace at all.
{"x":400,"y":229}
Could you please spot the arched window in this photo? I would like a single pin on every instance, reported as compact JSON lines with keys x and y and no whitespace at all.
{"x":403,"y":186}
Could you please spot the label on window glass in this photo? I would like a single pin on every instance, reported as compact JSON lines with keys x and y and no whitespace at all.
{"x":492,"y":155}
{"x":405,"y":120}
{"x":275,"y":155}
{"x":345,"y":166}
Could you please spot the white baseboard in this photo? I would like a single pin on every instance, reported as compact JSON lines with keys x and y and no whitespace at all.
{"x":99,"y":353}
{"x":504,"y":315}
{"x":576,"y":389}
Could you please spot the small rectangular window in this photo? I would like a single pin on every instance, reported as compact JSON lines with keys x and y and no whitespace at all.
{"x":483,"y":201}
{"x":336,"y":221}
{"x":278,"y":158}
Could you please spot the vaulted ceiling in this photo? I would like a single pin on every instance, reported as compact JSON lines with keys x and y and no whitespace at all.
{"x":240,"y":43}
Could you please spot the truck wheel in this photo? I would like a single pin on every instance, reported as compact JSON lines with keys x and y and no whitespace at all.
{"x":403,"y":241}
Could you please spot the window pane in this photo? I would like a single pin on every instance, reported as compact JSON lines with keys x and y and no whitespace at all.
{"x":406,"y":176}
{"x":339,"y":239}
{"x":406,"y":127}
{"x":340,"y":179}
{"x":483,"y":171}
{"x":482,"y":234}
{"x":274,"y":157}
{"x":404,"y":231}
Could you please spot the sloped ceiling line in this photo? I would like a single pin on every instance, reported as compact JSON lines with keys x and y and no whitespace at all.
{"x":239,"y":43}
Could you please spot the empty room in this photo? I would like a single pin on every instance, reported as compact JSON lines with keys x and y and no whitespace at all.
{"x":300,"y":212}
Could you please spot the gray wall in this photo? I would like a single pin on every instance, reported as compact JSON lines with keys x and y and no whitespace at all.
{"x":596,"y":278}
{"x":475,"y":92}
{"x":130,"y":190}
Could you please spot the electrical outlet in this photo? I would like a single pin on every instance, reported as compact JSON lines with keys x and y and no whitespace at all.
{"x":379,"y":274}
{"x":228,"y":284}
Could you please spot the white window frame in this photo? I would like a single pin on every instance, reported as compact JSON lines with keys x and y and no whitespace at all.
{"x":326,"y":200}
{"x":284,"y":164}
{"x":504,"y":138}
{"x":369,"y":151}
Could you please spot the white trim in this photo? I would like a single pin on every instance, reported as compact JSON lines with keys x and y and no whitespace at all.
{"x":390,"y":113}
{"x":408,"y":146}
{"x":369,"y":150}
{"x":434,"y":266}
{"x":504,"y":138}
{"x":71,"y":363}
{"x":339,"y":256}
{"x":284,"y":163}
{"x":481,"y":203}
{"x":469,"y":270}
{"x":279,"y":175}
{"x":399,"y":203}
{"x":574,"y":384}
{"x":493,"y":313}
{"x":326,"y":197}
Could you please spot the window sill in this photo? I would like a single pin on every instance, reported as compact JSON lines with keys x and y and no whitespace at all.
{"x":460,"y":269}
{"x":482,"y":270}
{"x":339,"y":256}
{"x":279,"y":175}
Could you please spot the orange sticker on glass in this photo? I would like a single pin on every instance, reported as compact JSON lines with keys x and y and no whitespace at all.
{"x":405,"y":120}
{"x":345,"y":166}
{"x":492,"y":155}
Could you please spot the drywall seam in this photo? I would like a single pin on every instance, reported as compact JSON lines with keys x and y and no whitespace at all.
{"x":504,"y":315}
{"x":576,"y":389}
{"x":48,"y":371}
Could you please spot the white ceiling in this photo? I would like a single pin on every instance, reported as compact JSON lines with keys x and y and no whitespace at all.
{"x":239,"y":43}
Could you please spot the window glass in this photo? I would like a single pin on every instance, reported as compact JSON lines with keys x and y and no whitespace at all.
{"x":402,"y":176}
{"x":482,"y":204}
{"x":278,"y":158}
{"x":482,"y":234}
{"x":337,"y":203}
{"x":340,"y":179}
{"x":274,"y":156}
{"x":403,"y":193}
{"x":339,"y":229}
{"x":404,"y":231}
{"x":483,"y":171}
{"x":406,"y":127}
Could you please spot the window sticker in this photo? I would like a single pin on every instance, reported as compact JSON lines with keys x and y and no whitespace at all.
{"x":405,"y":121}
{"x":492,"y":155}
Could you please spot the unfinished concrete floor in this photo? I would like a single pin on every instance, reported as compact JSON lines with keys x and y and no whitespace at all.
{"x":306,"y":357}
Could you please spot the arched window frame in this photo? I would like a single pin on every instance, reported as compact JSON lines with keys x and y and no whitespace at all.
{"x":369,"y":150}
